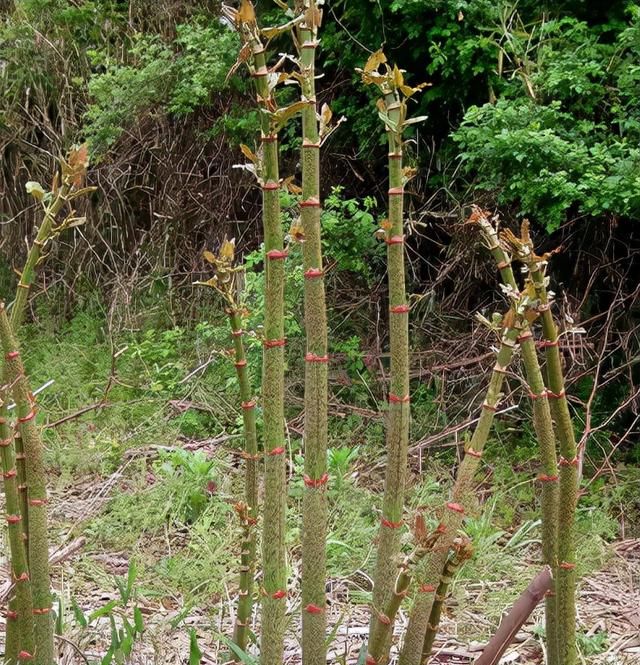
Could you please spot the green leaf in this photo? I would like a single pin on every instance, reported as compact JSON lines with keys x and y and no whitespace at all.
{"x":103,"y":611}
{"x":138,"y":619}
{"x":195,"y":655}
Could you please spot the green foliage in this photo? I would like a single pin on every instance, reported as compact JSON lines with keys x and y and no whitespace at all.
{"x":573,"y":151}
{"x":348,"y":227}
{"x":175,"y":78}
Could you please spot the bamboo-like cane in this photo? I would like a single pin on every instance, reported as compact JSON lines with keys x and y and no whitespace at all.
{"x":314,"y":509}
{"x":429,"y":574}
{"x":461,"y":552}
{"x":543,"y":425}
{"x":568,"y":462}
{"x":248,"y":511}
{"x":393,"y":110}
{"x":19,"y":632}
{"x":224,"y":281}
{"x":383,"y":622}
{"x":37,"y":495}
{"x":274,"y":564}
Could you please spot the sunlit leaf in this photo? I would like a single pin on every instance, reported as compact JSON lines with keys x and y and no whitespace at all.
{"x":248,"y":153}
{"x":210,"y":257}
{"x":246,"y":13}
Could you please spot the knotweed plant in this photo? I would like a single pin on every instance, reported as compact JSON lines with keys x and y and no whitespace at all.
{"x":265,"y":166}
{"x":393,"y":110}
{"x":225,"y":283}
{"x":29,"y":625}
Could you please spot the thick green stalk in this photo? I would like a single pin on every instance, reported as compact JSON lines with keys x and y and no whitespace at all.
{"x":383,"y":622}
{"x":461,"y":552}
{"x":19,"y":626}
{"x":249,"y":511}
{"x":399,"y":407}
{"x":35,"y":252}
{"x":274,"y":562}
{"x":429,"y":574}
{"x":314,"y":515}
{"x":566,"y":573}
{"x":37,"y":495}
{"x":543,"y":426}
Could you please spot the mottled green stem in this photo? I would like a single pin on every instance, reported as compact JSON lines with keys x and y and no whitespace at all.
{"x":568,"y":463}
{"x":37,"y":494}
{"x":399,"y":407}
{"x":35,"y":252}
{"x":543,"y":426}
{"x":249,"y":511}
{"x":19,"y":620}
{"x":314,"y":510}
{"x":461,"y":552}
{"x":274,"y":562}
{"x":429,"y":574}
{"x":383,"y":622}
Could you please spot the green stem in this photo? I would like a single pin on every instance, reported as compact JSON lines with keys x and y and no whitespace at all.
{"x":314,"y":515}
{"x":567,"y":502}
{"x":543,"y":426}
{"x":430,"y":573}
{"x":37,"y":494}
{"x":399,"y":408}
{"x":19,"y":623}
{"x":35,"y":252}
{"x":274,"y":563}
{"x":457,"y":557}
{"x":383,"y":622}
{"x":248,"y":512}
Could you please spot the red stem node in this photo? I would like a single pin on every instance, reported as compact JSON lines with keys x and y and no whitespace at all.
{"x":400,"y":309}
{"x":455,"y":507}
{"x":503,"y":264}
{"x":25,"y":655}
{"x":38,"y":502}
{"x":313,"y":202}
{"x":473,"y":453}
{"x":13,"y":519}
{"x":248,"y":405}
{"x":383,"y":618}
{"x":395,"y":399}
{"x":237,"y":333}
{"x":310,"y":144}
{"x":12,"y":473}
{"x":314,"y":273}
{"x":41,"y":610}
{"x":426,"y":588}
{"x":395,"y":240}
{"x":270,"y":186}
{"x":276,"y":451}
{"x":240,"y":364}
{"x":313,"y":609}
{"x":30,"y":416}
{"x":489,"y":407}
{"x":545,"y":344}
{"x":568,"y":462}
{"x":5,"y":442}
{"x":12,"y":615}
{"x":316,"y":482}
{"x":279,"y":594}
{"x":396,"y":191}
{"x":273,"y":343}
{"x":313,"y":358}
{"x":370,"y":661}
{"x":12,"y":355}
{"x":524,"y":337}
{"x":277,"y":254}
{"x":389,"y":524}
{"x":543,"y":478}
{"x":542,"y":395}
{"x":559,"y":395}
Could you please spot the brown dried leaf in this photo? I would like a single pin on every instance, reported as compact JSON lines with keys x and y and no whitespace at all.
{"x":374,"y":61}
